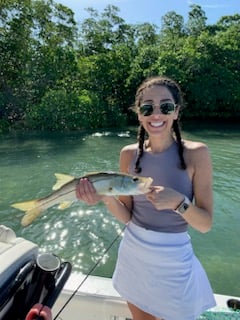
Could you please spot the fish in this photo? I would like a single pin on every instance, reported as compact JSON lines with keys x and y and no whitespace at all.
{"x":105,"y":183}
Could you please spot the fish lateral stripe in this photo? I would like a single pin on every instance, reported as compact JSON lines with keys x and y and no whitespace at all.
{"x":64,"y":194}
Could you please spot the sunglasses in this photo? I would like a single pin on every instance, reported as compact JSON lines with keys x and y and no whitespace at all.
{"x":165,"y":108}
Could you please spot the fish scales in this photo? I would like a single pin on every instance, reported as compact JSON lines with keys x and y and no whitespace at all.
{"x":105,"y":183}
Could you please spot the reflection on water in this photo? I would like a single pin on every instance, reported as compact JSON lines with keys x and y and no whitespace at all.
{"x":81,"y":233}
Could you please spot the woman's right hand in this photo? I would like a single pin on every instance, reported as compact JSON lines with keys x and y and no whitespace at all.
{"x":86,"y":192}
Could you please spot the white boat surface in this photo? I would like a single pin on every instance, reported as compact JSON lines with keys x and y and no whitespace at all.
{"x":82,"y":297}
{"x":97,"y":299}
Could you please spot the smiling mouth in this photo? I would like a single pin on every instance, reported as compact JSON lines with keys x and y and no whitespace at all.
{"x":157,"y":124}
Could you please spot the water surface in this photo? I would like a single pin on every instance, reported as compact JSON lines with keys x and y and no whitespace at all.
{"x":82,"y":233}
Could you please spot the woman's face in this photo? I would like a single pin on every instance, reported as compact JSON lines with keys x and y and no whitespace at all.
{"x":158,"y":122}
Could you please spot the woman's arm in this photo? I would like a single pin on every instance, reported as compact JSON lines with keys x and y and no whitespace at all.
{"x":119,"y":207}
{"x":200,"y":214}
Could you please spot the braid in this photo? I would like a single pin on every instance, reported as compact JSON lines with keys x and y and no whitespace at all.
{"x":141,"y":137}
{"x":176,"y":130}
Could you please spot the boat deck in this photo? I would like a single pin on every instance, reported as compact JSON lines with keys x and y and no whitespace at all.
{"x":97,"y":299}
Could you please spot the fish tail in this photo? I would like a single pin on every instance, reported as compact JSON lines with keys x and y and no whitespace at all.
{"x":30,"y":216}
{"x":25,"y":206}
{"x":32,"y":210}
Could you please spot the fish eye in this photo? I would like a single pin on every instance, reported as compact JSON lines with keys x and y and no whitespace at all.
{"x":135,"y":179}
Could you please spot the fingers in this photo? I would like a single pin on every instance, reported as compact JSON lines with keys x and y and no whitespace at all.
{"x":154,"y":192}
{"x":158,"y":197}
{"x":46,"y":313}
{"x":86,"y":192}
{"x":163,"y":197}
{"x":39,"y":310}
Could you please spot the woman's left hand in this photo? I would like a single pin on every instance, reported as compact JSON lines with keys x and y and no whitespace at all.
{"x":164,"y":198}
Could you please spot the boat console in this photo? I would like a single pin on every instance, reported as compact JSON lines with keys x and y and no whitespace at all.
{"x":27,"y":277}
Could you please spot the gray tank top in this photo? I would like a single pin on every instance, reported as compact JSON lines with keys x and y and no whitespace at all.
{"x":163,"y":167}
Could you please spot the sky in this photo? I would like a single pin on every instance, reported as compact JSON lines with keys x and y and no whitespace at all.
{"x":140,"y":11}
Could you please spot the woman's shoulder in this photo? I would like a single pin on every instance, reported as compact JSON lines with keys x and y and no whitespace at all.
{"x":194,"y":146}
{"x":195,"y":151}
{"x":130,"y":148}
{"x":126,"y":156}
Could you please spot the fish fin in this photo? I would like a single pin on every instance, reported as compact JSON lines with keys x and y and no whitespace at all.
{"x":62,"y":179}
{"x":32,"y":210}
{"x":64,"y":205}
{"x":25,"y":206}
{"x":31,"y":215}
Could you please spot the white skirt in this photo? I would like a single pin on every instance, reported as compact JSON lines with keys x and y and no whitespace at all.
{"x":159,"y":273}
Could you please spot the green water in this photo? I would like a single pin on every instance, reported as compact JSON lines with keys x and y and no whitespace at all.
{"x":81,"y":233}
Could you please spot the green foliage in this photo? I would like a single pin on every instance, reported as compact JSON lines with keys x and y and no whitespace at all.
{"x":60,"y":110}
{"x":196,"y":20}
{"x":56,"y":111}
{"x":94,"y":113}
{"x":56,"y":75}
{"x":211,"y":88}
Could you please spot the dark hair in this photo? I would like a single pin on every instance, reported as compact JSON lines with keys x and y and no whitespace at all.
{"x":175,"y":90}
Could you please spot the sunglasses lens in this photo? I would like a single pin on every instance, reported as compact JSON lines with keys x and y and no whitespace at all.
{"x":167,"y":108}
{"x":146,"y":109}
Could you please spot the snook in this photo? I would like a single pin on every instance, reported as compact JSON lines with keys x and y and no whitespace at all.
{"x":105,"y":183}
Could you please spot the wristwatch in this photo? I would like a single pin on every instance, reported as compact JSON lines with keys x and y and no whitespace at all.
{"x":183,"y":206}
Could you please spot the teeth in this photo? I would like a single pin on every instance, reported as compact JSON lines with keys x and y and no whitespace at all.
{"x":156,"y":124}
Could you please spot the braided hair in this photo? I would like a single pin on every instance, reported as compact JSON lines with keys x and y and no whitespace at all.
{"x":177,"y":96}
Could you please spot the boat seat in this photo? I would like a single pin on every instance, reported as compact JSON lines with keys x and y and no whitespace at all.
{"x":26,"y":276}
{"x":15,"y":255}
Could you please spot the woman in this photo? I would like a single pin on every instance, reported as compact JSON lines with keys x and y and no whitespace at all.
{"x":156,"y":271}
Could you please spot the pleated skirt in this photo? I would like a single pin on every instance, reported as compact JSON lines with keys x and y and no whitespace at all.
{"x":159,"y":273}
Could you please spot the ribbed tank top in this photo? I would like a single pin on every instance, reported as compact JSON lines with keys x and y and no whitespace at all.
{"x":163,"y":167}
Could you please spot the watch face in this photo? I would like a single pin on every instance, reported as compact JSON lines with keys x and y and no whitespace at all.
{"x":183,"y":207}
